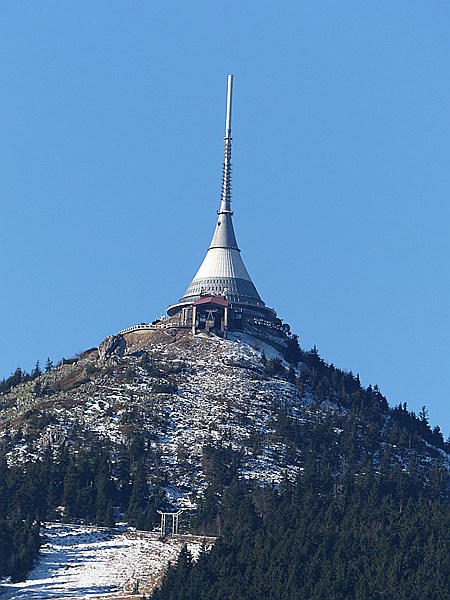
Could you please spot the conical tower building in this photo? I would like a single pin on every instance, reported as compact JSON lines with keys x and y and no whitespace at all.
{"x":222,"y":279}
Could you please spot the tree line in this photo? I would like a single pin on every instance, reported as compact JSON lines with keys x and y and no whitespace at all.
{"x":375,"y":535}
{"x":362,"y":470}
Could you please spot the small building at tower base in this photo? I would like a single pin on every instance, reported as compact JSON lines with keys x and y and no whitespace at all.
{"x":217,"y":314}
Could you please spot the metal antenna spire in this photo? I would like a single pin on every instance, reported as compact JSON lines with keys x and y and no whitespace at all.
{"x":222,"y":272}
{"x":225,"y":203}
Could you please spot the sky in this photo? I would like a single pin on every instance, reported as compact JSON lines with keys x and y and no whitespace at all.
{"x":112,"y":119}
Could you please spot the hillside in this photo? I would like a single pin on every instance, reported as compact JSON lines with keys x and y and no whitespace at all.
{"x":78,"y":560}
{"x":161,"y":419}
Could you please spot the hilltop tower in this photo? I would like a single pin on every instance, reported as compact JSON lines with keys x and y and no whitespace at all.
{"x":222,"y":295}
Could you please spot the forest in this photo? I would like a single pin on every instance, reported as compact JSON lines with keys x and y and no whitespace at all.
{"x":350,"y":527}
{"x":368,"y":515}
{"x":372,"y":536}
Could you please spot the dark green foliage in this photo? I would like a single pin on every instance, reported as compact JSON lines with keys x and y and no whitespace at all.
{"x":149,"y":366}
{"x":19,"y":543}
{"x":367,"y":518}
{"x":180,"y":572}
{"x":291,"y":375}
{"x":293,"y":354}
{"x":19,"y":376}
{"x":20,"y":505}
{"x":85,"y":483}
{"x":144,"y":500}
{"x":328,"y":383}
{"x":418,"y":426}
{"x":37,"y":371}
{"x":220,"y":465}
{"x":356,"y":524}
{"x":88,"y":488}
{"x":164,"y":387}
{"x":274,"y":367}
{"x":373,"y":536}
{"x":30,"y":493}
{"x":160,"y":372}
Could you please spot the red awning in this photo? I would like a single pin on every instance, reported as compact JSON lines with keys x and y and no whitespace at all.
{"x":220,"y":300}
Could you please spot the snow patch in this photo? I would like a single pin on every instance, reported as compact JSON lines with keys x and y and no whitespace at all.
{"x":90,"y":562}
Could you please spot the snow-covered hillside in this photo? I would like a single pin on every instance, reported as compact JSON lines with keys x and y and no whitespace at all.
{"x":194,"y":391}
{"x":171,"y":412}
{"x":90,"y":562}
{"x":185,"y":393}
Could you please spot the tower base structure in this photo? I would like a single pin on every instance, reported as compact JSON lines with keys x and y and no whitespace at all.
{"x":217,"y":314}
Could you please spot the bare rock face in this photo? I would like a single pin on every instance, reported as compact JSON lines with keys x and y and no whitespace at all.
{"x":53,"y":437}
{"x":112,"y":346}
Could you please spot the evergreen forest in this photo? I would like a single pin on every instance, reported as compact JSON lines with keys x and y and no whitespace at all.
{"x":373,"y":536}
{"x":367,"y":516}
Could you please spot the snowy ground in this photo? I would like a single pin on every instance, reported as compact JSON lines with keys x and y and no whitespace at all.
{"x":88,"y":562}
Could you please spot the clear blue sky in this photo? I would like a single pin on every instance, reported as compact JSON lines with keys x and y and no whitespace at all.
{"x":112,"y":118}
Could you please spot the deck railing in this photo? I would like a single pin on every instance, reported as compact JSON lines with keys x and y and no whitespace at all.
{"x":169,"y":325}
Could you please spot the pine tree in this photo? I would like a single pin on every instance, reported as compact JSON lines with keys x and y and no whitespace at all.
{"x":293,"y":353}
{"x":139,"y":497}
{"x":37,"y":371}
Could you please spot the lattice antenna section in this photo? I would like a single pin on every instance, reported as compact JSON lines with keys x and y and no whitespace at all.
{"x":225,"y":203}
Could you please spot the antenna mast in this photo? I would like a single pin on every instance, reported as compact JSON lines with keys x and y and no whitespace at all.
{"x":225,"y":203}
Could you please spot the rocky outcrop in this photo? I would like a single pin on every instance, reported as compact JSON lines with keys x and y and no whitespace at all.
{"x":53,"y":437}
{"x":112,"y":346}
